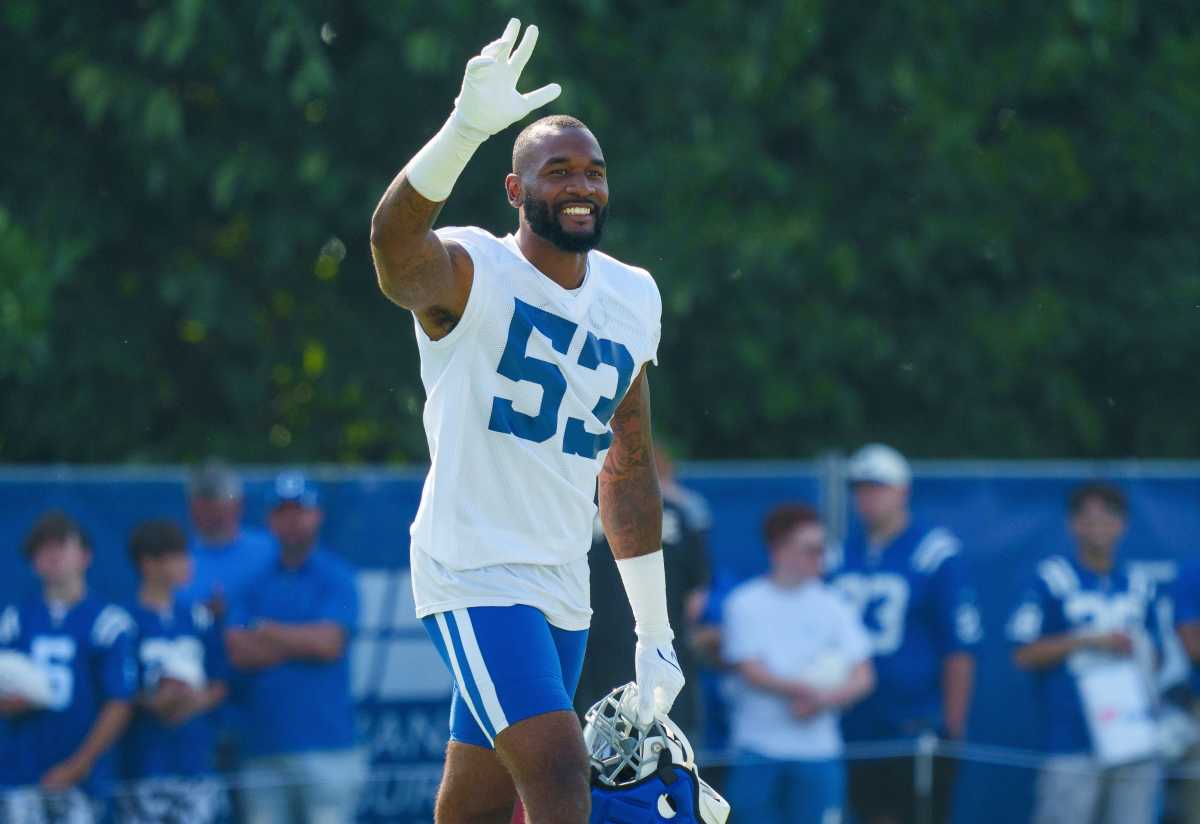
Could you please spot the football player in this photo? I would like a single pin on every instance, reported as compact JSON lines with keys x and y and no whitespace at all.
{"x":534,"y":349}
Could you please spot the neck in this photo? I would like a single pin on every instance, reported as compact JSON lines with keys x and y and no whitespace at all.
{"x":156,"y":596}
{"x":294,"y":555}
{"x":220,"y":536}
{"x":567,"y":269}
{"x":786,"y":580}
{"x":65,"y":592}
{"x":1098,"y":559}
{"x":885,"y":530}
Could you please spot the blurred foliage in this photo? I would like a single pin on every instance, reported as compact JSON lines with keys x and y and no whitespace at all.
{"x":967,"y":228}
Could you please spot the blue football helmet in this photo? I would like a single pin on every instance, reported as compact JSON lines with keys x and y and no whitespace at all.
{"x":644,"y":776}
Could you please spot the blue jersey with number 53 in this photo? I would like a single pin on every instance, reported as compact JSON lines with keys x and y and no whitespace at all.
{"x":917,"y":604}
{"x":519,"y":399}
{"x":87,"y":651}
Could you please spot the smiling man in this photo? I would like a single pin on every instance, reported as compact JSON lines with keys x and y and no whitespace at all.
{"x":533,"y":349}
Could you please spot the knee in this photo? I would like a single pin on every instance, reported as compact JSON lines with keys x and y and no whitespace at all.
{"x":560,"y":780}
{"x":450,"y":808}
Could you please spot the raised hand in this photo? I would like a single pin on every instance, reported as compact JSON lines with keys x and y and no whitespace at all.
{"x":489,"y":101}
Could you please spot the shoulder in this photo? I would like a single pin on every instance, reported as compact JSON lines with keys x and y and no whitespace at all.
{"x":333,"y":566}
{"x":746,"y":595}
{"x":631,"y":279}
{"x":1057,"y":576}
{"x":201,"y":616}
{"x":110,"y":623}
{"x":479,"y":243}
{"x":933,"y":549}
{"x":692,"y":506}
{"x":10,"y":623}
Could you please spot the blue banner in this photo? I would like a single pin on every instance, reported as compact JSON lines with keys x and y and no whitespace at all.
{"x":1008,"y":516}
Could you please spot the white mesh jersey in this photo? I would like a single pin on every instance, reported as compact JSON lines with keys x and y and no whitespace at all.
{"x":518,"y":401}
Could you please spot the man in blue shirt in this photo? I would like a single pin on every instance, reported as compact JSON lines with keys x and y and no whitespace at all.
{"x":1082,"y":613}
{"x":226,"y":555}
{"x":1186,"y":594}
{"x":53,"y":756}
{"x":291,"y":636}
{"x":168,"y":751}
{"x":909,"y":583}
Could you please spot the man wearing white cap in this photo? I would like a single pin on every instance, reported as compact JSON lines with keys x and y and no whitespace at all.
{"x":909,"y":583}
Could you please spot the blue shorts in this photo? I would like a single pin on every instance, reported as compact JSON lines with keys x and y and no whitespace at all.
{"x":508,"y":664}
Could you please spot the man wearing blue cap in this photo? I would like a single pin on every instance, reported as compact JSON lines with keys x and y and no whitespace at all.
{"x":290,"y":636}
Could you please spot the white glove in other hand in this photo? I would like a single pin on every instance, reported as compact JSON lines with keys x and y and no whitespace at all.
{"x":659,"y":679}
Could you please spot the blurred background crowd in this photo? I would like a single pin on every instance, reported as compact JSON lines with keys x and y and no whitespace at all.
{"x":835,"y":681}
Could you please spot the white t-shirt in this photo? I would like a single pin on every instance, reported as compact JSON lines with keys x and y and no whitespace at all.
{"x":787,"y":631}
{"x":518,"y":401}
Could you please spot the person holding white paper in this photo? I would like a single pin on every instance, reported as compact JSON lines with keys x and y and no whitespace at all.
{"x":1082,"y":629}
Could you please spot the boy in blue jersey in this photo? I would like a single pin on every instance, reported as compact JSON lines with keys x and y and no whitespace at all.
{"x":909,"y":583}
{"x":54,"y":766}
{"x":290,"y":638}
{"x":167,"y":754}
{"x":1080,"y":614}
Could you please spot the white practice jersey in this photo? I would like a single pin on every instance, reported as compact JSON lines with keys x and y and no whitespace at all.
{"x":519,"y":397}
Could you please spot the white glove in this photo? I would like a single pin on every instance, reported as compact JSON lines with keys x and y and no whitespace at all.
{"x":487,"y":103}
{"x":659,"y":678}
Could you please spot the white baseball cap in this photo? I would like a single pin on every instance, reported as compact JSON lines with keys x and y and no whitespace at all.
{"x":879,"y":464}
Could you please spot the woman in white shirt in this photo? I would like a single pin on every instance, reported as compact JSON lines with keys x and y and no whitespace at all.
{"x":800,"y":655}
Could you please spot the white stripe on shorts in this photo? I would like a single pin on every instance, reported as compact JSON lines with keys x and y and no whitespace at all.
{"x":463,"y":692}
{"x":483,"y":679}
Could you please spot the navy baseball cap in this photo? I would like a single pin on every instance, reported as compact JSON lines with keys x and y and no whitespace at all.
{"x":293,"y":487}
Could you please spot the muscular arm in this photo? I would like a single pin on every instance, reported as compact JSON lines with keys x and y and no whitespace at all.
{"x":414,"y":268}
{"x":630,"y":500}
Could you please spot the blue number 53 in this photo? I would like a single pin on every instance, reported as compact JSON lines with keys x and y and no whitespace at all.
{"x":517,"y":366}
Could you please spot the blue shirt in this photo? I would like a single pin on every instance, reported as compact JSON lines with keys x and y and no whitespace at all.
{"x":1186,"y":594}
{"x":917,"y":604}
{"x":228,"y":568}
{"x":152,"y":748}
{"x":300,"y":705}
{"x":87,"y":649}
{"x":1066,"y":597}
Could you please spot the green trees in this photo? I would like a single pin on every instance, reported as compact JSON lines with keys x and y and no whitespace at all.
{"x":967,"y":228}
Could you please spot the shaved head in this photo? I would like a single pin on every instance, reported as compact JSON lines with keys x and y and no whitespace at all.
{"x":524,"y":145}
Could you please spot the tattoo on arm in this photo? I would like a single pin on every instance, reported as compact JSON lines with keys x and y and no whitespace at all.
{"x":630,"y":499}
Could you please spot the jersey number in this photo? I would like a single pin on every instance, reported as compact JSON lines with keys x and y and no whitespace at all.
{"x":155,"y":651}
{"x":55,"y":654}
{"x":882,"y":601}
{"x":517,"y":366}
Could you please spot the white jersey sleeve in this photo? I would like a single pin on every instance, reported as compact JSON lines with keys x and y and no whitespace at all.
{"x":519,"y":396}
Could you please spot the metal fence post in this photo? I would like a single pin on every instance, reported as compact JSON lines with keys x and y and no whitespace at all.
{"x":927,"y":746}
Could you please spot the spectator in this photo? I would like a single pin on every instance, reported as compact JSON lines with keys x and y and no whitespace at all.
{"x":608,"y":661}
{"x":908,"y":582}
{"x":291,"y":635}
{"x":1187,"y":618}
{"x":791,"y":685}
{"x":168,"y":752}
{"x":226,"y":555}
{"x":1081,"y":616}
{"x":56,"y":752}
